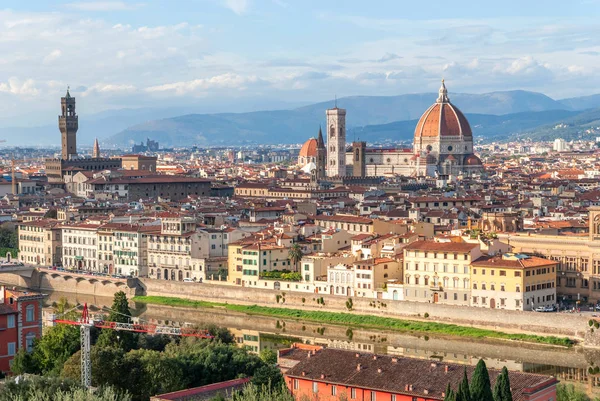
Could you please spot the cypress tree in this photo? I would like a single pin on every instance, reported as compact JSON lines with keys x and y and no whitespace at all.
{"x":449,"y":394}
{"x":464,"y":389}
{"x":481,"y":388}
{"x":502,"y":388}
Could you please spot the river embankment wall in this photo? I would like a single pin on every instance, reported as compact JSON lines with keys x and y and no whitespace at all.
{"x":558,"y":324}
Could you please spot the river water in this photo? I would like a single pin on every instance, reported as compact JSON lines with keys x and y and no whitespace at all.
{"x":257,"y":333}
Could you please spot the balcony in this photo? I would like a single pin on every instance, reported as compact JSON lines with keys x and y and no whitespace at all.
{"x":436,"y":288}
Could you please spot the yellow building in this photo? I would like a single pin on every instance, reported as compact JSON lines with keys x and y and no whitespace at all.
{"x":513,"y":281}
{"x":439,"y":271}
{"x":248,"y":259}
{"x":40,"y":242}
{"x":577,"y":258}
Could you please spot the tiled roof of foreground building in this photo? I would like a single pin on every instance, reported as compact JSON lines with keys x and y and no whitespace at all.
{"x":408,"y":376}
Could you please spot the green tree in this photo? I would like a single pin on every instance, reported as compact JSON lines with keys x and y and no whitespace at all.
{"x":120,"y":313}
{"x":263,"y":393}
{"x":463,"y":388}
{"x":295,"y":254}
{"x":268,"y":356}
{"x":23,"y":362}
{"x":269,"y":376}
{"x":480,"y":383}
{"x":56,"y":346}
{"x":449,"y":394}
{"x":502,"y":388}
{"x":568,"y":392}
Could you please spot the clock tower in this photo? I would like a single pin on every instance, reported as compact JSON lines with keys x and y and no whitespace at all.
{"x":336,"y":142}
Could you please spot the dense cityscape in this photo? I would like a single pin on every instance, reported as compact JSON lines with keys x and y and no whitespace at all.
{"x":231,"y":247}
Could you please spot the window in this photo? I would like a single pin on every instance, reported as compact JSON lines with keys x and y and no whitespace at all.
{"x":29,"y":313}
{"x":29,"y":341}
{"x":517,"y":274}
{"x":503,"y":272}
{"x":315,"y":387}
{"x":333,"y":390}
{"x":353,"y":393}
{"x":393,"y":397}
{"x":12,"y":349}
{"x":373,"y":396}
{"x":10,"y":322}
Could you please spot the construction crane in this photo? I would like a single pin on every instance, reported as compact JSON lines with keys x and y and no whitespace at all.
{"x":85,"y":324}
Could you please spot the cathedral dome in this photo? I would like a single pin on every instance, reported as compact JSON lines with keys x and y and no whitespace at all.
{"x":472,"y":160}
{"x":443,"y":119}
{"x":309,"y":149}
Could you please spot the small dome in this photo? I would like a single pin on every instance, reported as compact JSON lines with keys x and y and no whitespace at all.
{"x":472,"y":160}
{"x":309,"y":149}
{"x":443,"y":119}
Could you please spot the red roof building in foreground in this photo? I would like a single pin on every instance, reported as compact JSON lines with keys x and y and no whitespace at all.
{"x":329,"y":373}
{"x":20,"y":323}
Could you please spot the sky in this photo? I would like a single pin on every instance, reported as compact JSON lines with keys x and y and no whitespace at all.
{"x":240,"y":55}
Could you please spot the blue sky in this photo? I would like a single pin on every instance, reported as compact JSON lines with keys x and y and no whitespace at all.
{"x":238,"y":55}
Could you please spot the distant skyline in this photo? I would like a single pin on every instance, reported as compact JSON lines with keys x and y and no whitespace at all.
{"x":240,"y":55}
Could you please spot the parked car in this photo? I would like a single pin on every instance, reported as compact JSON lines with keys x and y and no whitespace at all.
{"x":550,"y":308}
{"x":188,"y":280}
{"x":540,"y":309}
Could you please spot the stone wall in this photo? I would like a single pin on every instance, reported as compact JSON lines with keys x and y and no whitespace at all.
{"x":42,"y":280}
{"x":560,"y":324}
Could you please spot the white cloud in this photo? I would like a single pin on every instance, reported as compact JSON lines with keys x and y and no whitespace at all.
{"x":52,"y":56}
{"x":237,"y":6}
{"x":108,"y":88}
{"x":198,"y":86}
{"x":103,"y":5}
{"x":16,"y":87}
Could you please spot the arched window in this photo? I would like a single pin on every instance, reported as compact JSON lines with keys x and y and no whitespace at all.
{"x":332,"y":131}
{"x":357,"y":155}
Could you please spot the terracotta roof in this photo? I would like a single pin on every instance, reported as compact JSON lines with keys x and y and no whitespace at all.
{"x":442,"y":119}
{"x":408,"y":376}
{"x":498,"y":261}
{"x":440,"y":246}
{"x":309,"y":149}
{"x":345,"y":219}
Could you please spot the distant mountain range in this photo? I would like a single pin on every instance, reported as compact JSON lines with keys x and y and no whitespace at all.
{"x":496,"y":115}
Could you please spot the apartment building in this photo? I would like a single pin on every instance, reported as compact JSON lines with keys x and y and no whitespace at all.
{"x":130,"y":248}
{"x":578,"y":258}
{"x":80,"y":245}
{"x":438,"y":271}
{"x":20,"y":323}
{"x":513,"y":281}
{"x":174,"y":250}
{"x":40,"y":242}
{"x":248,"y":258}
{"x":372,"y":275}
{"x":105,"y":248}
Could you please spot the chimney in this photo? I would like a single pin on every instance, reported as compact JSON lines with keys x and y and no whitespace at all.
{"x":314,"y":352}
{"x":406,"y":387}
{"x":425,"y":391}
{"x":433,"y":364}
{"x":358,"y":367}
{"x":378,"y":370}
{"x":374,"y":357}
{"x":308,"y":356}
{"x":322,"y":376}
{"x":394,"y":360}
{"x":410,"y":387}
{"x":446,"y":369}
{"x":303,"y":373}
{"x":357,"y":355}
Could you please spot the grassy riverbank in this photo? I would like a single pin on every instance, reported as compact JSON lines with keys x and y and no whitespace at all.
{"x":356,"y":320}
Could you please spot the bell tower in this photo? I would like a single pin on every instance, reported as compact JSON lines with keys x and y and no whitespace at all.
{"x":336,"y":142}
{"x":321,"y":156}
{"x":68,"y":123}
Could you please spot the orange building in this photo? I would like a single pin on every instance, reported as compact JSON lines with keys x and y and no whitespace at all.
{"x":20,"y":323}
{"x":331,"y":374}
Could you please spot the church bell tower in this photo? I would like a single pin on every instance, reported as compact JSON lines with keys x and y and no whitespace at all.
{"x":336,"y":142}
{"x":68,"y":123}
